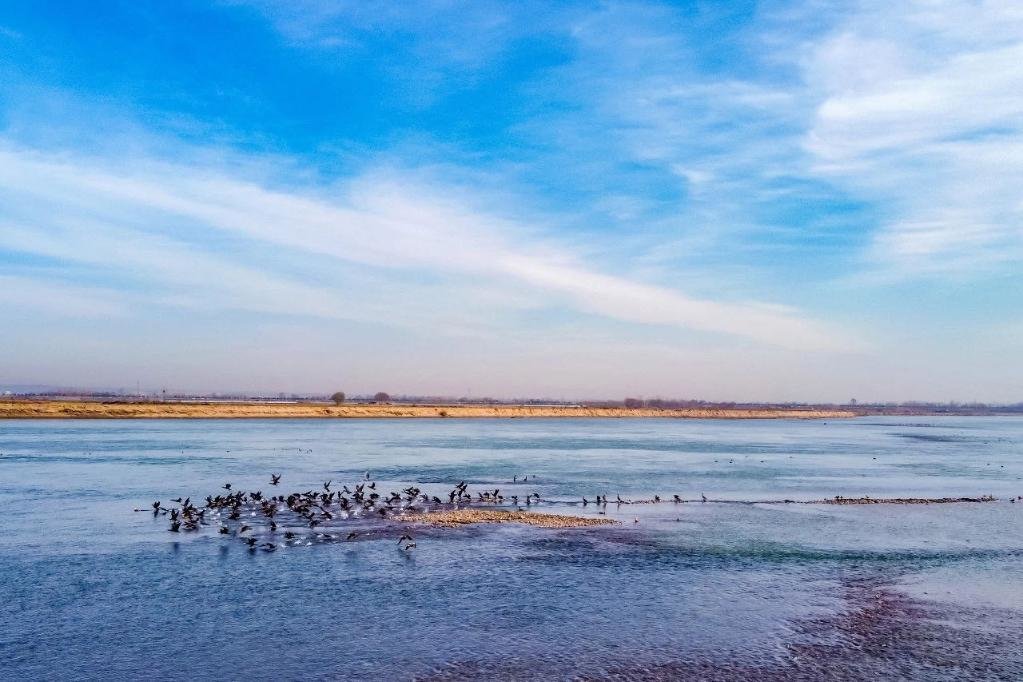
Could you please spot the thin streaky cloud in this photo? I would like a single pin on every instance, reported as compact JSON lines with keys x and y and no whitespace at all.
{"x":924,"y":115}
{"x":380,"y":225}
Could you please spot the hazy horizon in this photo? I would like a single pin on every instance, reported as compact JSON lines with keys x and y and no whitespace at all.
{"x":748,"y":201}
{"x":150,"y":392}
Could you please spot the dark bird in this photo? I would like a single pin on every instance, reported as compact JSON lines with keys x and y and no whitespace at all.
{"x":703,"y":498}
{"x":252,"y":542}
{"x":275,"y":479}
{"x":175,"y":526}
{"x":405,"y":537}
{"x":352,"y":536}
{"x":227,"y":486}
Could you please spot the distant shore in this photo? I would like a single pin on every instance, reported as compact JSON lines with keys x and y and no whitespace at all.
{"x":74,"y":409}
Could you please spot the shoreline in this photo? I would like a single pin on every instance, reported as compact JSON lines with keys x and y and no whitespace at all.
{"x":74,"y":409}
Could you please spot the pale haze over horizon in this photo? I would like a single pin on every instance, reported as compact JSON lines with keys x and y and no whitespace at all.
{"x":774,"y":201}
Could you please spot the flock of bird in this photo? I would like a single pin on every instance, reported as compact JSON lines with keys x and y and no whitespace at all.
{"x":268,"y":522}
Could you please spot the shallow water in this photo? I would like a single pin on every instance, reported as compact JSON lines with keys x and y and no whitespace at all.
{"x":720,"y":590}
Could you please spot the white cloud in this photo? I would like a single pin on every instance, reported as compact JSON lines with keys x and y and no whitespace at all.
{"x":89,"y":211}
{"x":919,"y":111}
{"x":909,"y":108}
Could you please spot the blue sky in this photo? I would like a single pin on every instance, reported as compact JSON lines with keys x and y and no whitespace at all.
{"x":748,"y":201}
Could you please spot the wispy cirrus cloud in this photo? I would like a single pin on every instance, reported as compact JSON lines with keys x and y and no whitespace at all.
{"x":85,"y":211}
{"x":433,"y":48}
{"x":909,"y":110}
{"x":919,"y":111}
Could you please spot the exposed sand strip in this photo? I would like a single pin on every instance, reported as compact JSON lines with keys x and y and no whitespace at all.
{"x":74,"y":409}
{"x":614,"y":504}
{"x":460,"y":517}
{"x":903,"y":500}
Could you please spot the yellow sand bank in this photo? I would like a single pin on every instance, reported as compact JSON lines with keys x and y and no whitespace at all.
{"x":74,"y":409}
{"x":460,"y":517}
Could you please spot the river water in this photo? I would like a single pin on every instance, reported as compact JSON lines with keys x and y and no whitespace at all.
{"x":744,"y":586}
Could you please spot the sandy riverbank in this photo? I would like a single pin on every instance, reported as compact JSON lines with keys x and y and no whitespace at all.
{"x":73,"y":409}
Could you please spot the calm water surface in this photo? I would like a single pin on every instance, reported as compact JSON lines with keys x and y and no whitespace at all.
{"x":736,"y":588}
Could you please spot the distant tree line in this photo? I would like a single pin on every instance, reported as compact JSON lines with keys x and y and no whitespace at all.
{"x":381,"y":397}
{"x":670,"y":404}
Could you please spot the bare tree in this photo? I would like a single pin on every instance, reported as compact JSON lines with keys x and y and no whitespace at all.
{"x":338,"y":398}
{"x":382,"y":397}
